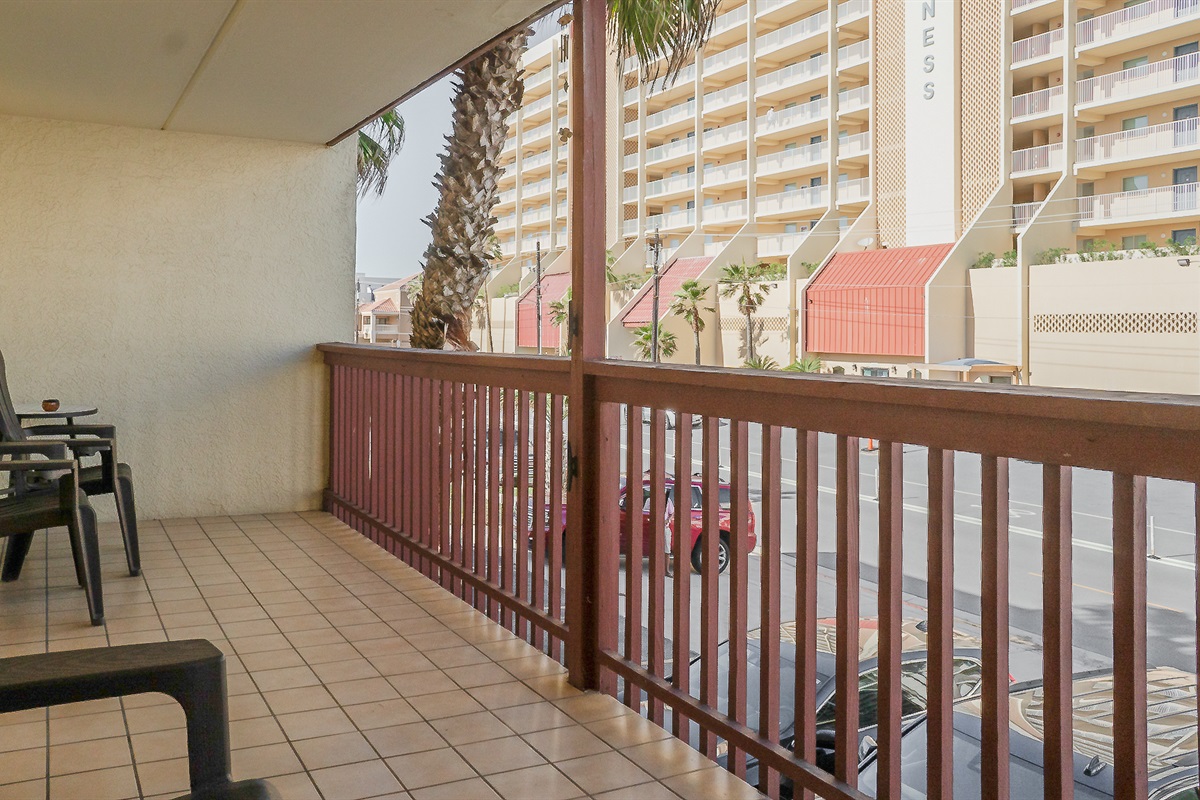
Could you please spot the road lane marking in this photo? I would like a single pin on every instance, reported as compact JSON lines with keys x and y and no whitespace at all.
{"x":1038,"y":575}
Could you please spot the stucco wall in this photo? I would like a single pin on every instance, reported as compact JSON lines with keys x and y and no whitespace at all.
{"x":179,"y":282}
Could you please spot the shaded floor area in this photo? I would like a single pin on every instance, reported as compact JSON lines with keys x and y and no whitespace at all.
{"x":350,"y":676}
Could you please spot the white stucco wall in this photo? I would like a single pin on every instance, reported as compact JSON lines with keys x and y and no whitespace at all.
{"x":179,"y":282}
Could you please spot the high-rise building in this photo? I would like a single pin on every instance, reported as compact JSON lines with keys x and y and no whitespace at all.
{"x":881,"y":150}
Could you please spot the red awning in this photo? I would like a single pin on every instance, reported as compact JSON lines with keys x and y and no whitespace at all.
{"x":872,"y":302}
{"x":678,"y":271}
{"x":554,"y":288}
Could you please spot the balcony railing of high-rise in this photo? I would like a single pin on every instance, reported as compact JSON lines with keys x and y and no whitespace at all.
{"x":1039,"y":46}
{"x":1140,"y":204}
{"x":1140,"y":143}
{"x":1043,"y":101}
{"x":1140,"y":18}
{"x":1142,"y":81}
{"x":457,"y":463}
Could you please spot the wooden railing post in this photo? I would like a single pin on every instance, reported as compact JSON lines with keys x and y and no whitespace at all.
{"x":592,"y":433}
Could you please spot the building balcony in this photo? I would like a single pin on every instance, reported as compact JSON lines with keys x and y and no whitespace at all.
{"x":854,"y":103}
{"x":537,"y":79}
{"x":507,"y":222}
{"x":629,"y":194}
{"x":629,"y":228}
{"x":854,"y":192}
{"x":672,"y":220}
{"x":729,"y":22}
{"x":1023,"y":215}
{"x":535,"y":190}
{"x":792,"y":201}
{"x":536,"y":163}
{"x":671,"y":186}
{"x":1037,"y":49}
{"x":1147,"y":205}
{"x":772,"y":8}
{"x":1155,"y":144}
{"x":855,"y":148}
{"x":1027,"y":8}
{"x":853,"y":11}
{"x":1037,"y":161}
{"x":681,"y":150}
{"x":1037,"y":106}
{"x":854,"y":57}
{"x":725,"y":137}
{"x":537,"y":109}
{"x":630,"y":161}
{"x":1139,"y":26}
{"x":536,"y":216}
{"x":811,"y":72}
{"x":536,"y":136}
{"x":508,"y":248}
{"x":671,"y":117}
{"x":730,"y":98}
{"x":785,"y":123}
{"x":788,"y":40}
{"x":1157,"y":82}
{"x":631,"y":95}
{"x":507,"y":197}
{"x":683,"y":85}
{"x":795,"y":159}
{"x":727,"y":213}
{"x":725,"y":175}
{"x":783,"y":244}
{"x":721,"y":65}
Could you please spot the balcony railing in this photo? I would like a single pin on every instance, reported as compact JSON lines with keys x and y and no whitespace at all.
{"x":534,"y":134}
{"x":675,"y":149}
{"x":802,"y":199}
{"x":537,"y":78}
{"x":766,"y":6}
{"x":790,"y":34}
{"x":1038,"y":159}
{"x":631,"y":128}
{"x":675,"y":113}
{"x":672,"y":219}
{"x":539,"y":105}
{"x":854,"y":99}
{"x":853,"y":54}
{"x":725,"y":173}
{"x":730,"y":20}
{"x":854,"y":191}
{"x":794,"y":73}
{"x":793,"y":158}
{"x":686,"y":75}
{"x":796,"y":115}
{"x":852,"y":8}
{"x":726,"y":134}
{"x":731,"y":211}
{"x":507,"y":221}
{"x":450,"y":461}
{"x":535,"y":188}
{"x":631,"y":95}
{"x":1155,"y":140}
{"x":1145,"y":204}
{"x":1032,"y":104}
{"x":535,"y":161}
{"x":508,"y":248}
{"x":856,"y":145}
{"x":535,"y":216}
{"x":1023,"y":214}
{"x":629,"y":227}
{"x":1140,"y":82}
{"x":1136,"y":19}
{"x":630,"y":161}
{"x":509,"y":196}
{"x":783,"y":244}
{"x":730,"y":95}
{"x":726,"y":58}
{"x":673,"y":183}
{"x":1040,"y":46}
{"x":629,"y":194}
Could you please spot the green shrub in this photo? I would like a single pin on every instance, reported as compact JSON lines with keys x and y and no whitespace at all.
{"x":1052,"y":255}
{"x":806,"y":364}
{"x":985,"y":260}
{"x":1009,"y":259}
{"x":761,"y":362}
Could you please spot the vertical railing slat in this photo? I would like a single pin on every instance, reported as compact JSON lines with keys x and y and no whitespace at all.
{"x":537,"y":524}
{"x":739,"y":581}
{"x":1058,"y":747}
{"x":807,"y":465}
{"x":557,"y":415}
{"x":1130,"y":770}
{"x":891,"y":588}
{"x":446,"y":438}
{"x":656,"y":607}
{"x":994,"y":621}
{"x":521,"y":511}
{"x":457,"y":451}
{"x":709,"y":588}
{"x":847,"y":583}
{"x":681,"y":545}
{"x":769,"y":546}
{"x":633,"y":546}
{"x":482,"y":479}
{"x":940,"y":780}
{"x":495,"y":436}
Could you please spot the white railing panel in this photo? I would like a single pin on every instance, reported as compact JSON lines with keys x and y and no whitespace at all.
{"x":1039,"y":46}
{"x":1179,"y":136}
{"x":1141,"y":81}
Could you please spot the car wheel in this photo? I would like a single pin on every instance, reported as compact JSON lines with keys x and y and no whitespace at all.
{"x":722,"y":554}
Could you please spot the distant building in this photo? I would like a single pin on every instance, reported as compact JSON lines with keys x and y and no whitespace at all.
{"x":365,"y":287}
{"x":387,"y":319}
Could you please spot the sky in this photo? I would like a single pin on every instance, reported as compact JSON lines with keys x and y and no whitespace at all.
{"x":391,"y":235}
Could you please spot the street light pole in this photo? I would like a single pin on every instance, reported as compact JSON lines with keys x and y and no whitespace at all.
{"x":538,"y":294}
{"x":656,"y":243}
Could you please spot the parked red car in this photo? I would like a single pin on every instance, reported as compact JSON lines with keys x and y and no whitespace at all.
{"x":724,"y":522}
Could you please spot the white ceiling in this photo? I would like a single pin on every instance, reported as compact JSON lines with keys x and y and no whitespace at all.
{"x":297,"y":70}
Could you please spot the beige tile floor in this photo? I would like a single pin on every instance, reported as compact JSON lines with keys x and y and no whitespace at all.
{"x":350,"y":676}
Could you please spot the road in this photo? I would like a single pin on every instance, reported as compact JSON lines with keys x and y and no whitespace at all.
{"x":1171,"y":577}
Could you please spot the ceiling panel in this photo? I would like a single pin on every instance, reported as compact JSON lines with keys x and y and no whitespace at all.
{"x":299,"y":70}
{"x":309,"y":69}
{"x":121,"y":63}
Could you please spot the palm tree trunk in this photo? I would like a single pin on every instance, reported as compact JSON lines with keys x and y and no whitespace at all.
{"x":749,"y":337}
{"x":696,"y":334}
{"x":458,"y":259}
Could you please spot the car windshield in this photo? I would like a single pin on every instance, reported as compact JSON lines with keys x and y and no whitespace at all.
{"x":787,"y":683}
{"x":1025,"y":777}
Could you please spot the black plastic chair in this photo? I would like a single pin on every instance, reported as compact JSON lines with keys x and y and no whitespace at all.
{"x":23,"y":512}
{"x":191,"y":671}
{"x":109,"y":477}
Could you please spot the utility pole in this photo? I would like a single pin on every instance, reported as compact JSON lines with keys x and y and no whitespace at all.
{"x":538,"y":295}
{"x":656,"y":243}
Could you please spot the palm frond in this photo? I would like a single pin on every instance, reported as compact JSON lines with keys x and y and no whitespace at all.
{"x":673,"y":30}
{"x":378,"y":144}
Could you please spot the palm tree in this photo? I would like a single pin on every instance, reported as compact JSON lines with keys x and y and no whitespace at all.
{"x":688,"y":302}
{"x":748,"y":283}
{"x":560,"y":312}
{"x":644,"y":343}
{"x":488,"y":90}
{"x":378,"y":144}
